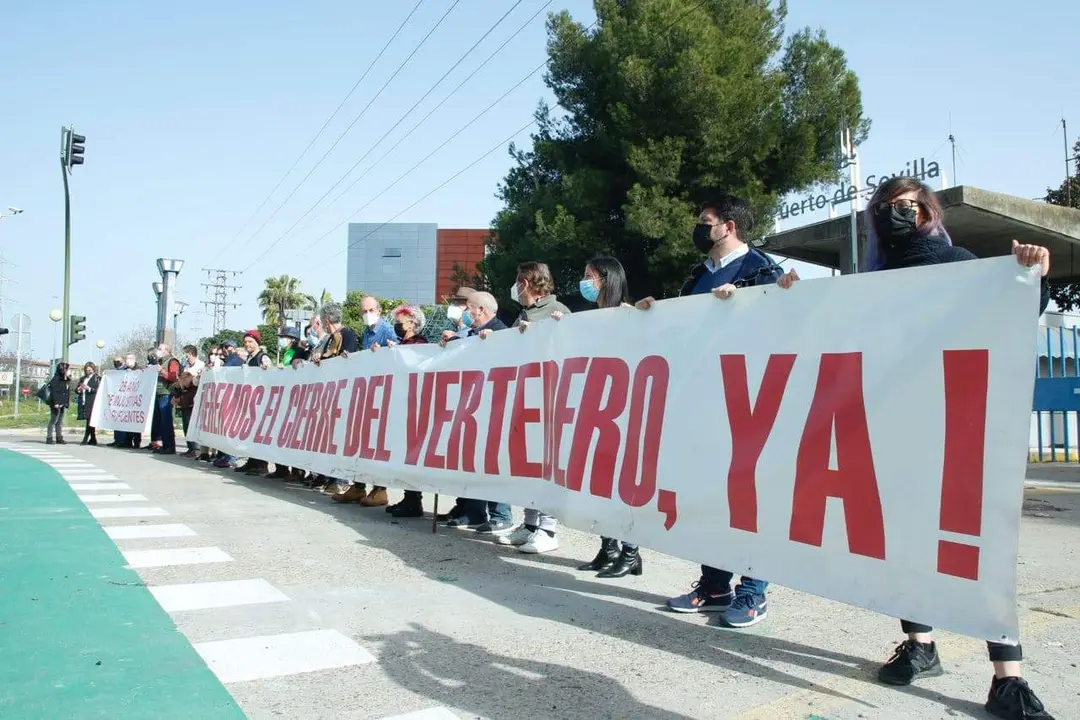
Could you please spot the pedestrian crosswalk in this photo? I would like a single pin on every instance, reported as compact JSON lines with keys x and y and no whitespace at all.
{"x":234,"y":660}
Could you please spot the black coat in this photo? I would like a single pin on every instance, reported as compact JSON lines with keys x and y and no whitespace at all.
{"x":91,"y":392}
{"x":60,"y":391}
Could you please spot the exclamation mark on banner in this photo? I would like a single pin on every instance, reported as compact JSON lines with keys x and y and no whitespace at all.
{"x":966,"y":379}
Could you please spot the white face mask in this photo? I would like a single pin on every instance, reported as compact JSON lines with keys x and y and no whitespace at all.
{"x":370,"y":318}
{"x":454,"y":313}
{"x":515,"y":293}
{"x":284,"y":342}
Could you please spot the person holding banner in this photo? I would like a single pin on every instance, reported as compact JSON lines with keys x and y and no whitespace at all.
{"x":409,"y":322}
{"x":730,"y":263}
{"x":533,"y":290}
{"x":163,"y":431}
{"x":905,"y":229}
{"x":485,"y":517}
{"x":605,"y":284}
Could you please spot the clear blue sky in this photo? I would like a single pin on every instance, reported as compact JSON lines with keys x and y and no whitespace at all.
{"x":194,"y":111}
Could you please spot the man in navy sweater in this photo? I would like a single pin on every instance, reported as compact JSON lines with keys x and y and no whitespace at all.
{"x":729,"y":264}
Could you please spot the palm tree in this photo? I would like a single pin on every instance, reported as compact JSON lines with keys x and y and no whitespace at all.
{"x":316,"y":304}
{"x":280,"y":295}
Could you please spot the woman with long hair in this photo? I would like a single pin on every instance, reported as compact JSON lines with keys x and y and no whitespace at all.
{"x":605,"y":285}
{"x":905,"y":229}
{"x":88,"y":387}
{"x":59,"y":400}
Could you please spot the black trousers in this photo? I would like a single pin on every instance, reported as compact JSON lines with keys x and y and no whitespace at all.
{"x":999,"y":652}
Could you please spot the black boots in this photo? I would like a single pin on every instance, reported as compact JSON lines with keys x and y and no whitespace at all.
{"x":609,"y":553}
{"x":410,"y":507}
{"x":629,"y":563}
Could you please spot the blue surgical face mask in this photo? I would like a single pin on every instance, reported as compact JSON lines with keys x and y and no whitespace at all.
{"x":467,"y":319}
{"x":589,"y":290}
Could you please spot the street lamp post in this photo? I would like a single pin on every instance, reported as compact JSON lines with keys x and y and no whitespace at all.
{"x":56,"y":316}
{"x":169,"y":270}
{"x":23,"y":325}
{"x":178,"y":309}
{"x":11,"y":212}
{"x":100,"y":345}
{"x":159,"y":322}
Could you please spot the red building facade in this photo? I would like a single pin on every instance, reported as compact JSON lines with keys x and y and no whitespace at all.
{"x":463,"y":248}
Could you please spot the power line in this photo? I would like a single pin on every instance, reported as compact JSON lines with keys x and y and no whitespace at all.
{"x":434,"y":190}
{"x":431,"y":112}
{"x":423,"y":160}
{"x":404,"y":116}
{"x":322,"y":129}
{"x":474,"y":162}
{"x":667,"y":29}
{"x":355,"y":119}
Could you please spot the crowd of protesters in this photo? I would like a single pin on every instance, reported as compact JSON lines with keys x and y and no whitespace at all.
{"x":905,"y":229}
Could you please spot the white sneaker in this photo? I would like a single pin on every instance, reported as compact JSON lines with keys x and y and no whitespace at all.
{"x":540,"y":542}
{"x":519,"y":537}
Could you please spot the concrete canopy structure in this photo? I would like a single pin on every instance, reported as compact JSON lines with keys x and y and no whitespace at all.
{"x":981,"y":221}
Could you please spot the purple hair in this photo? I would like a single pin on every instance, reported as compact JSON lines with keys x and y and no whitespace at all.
{"x":873,"y":255}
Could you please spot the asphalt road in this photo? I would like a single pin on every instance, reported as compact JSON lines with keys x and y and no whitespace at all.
{"x":308,"y":609}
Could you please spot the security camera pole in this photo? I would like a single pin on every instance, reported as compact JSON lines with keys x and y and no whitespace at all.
{"x":72,"y":147}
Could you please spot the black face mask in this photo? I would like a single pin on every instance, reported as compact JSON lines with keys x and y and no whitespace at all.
{"x":399,"y":329}
{"x":895,"y":226}
{"x":703,"y":238}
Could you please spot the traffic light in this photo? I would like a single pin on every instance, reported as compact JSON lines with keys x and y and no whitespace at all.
{"x":78,"y":329}
{"x":73,"y":149}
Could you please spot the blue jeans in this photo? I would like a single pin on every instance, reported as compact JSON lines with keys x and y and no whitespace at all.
{"x":499,"y":512}
{"x":716,"y":580}
{"x":483,"y":510}
{"x":162,"y":426}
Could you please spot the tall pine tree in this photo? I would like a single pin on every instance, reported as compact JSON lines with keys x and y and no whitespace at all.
{"x":664,"y":103}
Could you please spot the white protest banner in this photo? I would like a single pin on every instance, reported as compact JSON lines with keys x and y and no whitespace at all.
{"x":849,"y":437}
{"x":125,"y":401}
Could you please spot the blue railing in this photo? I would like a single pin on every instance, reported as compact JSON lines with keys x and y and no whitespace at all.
{"x":1056,"y":407}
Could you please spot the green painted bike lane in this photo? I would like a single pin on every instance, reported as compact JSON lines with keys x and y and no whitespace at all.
{"x":80,"y":636}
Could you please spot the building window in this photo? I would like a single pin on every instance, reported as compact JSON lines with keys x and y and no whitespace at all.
{"x":391,"y":252}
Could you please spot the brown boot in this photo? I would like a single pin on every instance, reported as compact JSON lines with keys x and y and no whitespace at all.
{"x":355,"y":493}
{"x":377,"y":498}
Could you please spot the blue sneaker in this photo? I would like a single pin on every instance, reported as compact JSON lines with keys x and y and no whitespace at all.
{"x":701,"y":600}
{"x":747,"y":610}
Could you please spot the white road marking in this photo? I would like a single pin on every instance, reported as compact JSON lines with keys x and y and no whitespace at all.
{"x":436,"y":713}
{"x":174,"y":556}
{"x":128,"y":512}
{"x":266,"y":656}
{"x":205,"y":595}
{"x":87,"y":475}
{"x":146,"y":532}
{"x":100,"y":486}
{"x":119,"y":497}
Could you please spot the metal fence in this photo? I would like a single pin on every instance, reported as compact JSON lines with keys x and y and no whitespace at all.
{"x":1055,"y":416}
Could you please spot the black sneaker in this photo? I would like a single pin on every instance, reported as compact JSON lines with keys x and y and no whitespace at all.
{"x":911,"y":661}
{"x":496,"y":527}
{"x":1013,"y":699}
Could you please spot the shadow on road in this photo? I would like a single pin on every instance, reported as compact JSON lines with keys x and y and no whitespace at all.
{"x":431,"y":664}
